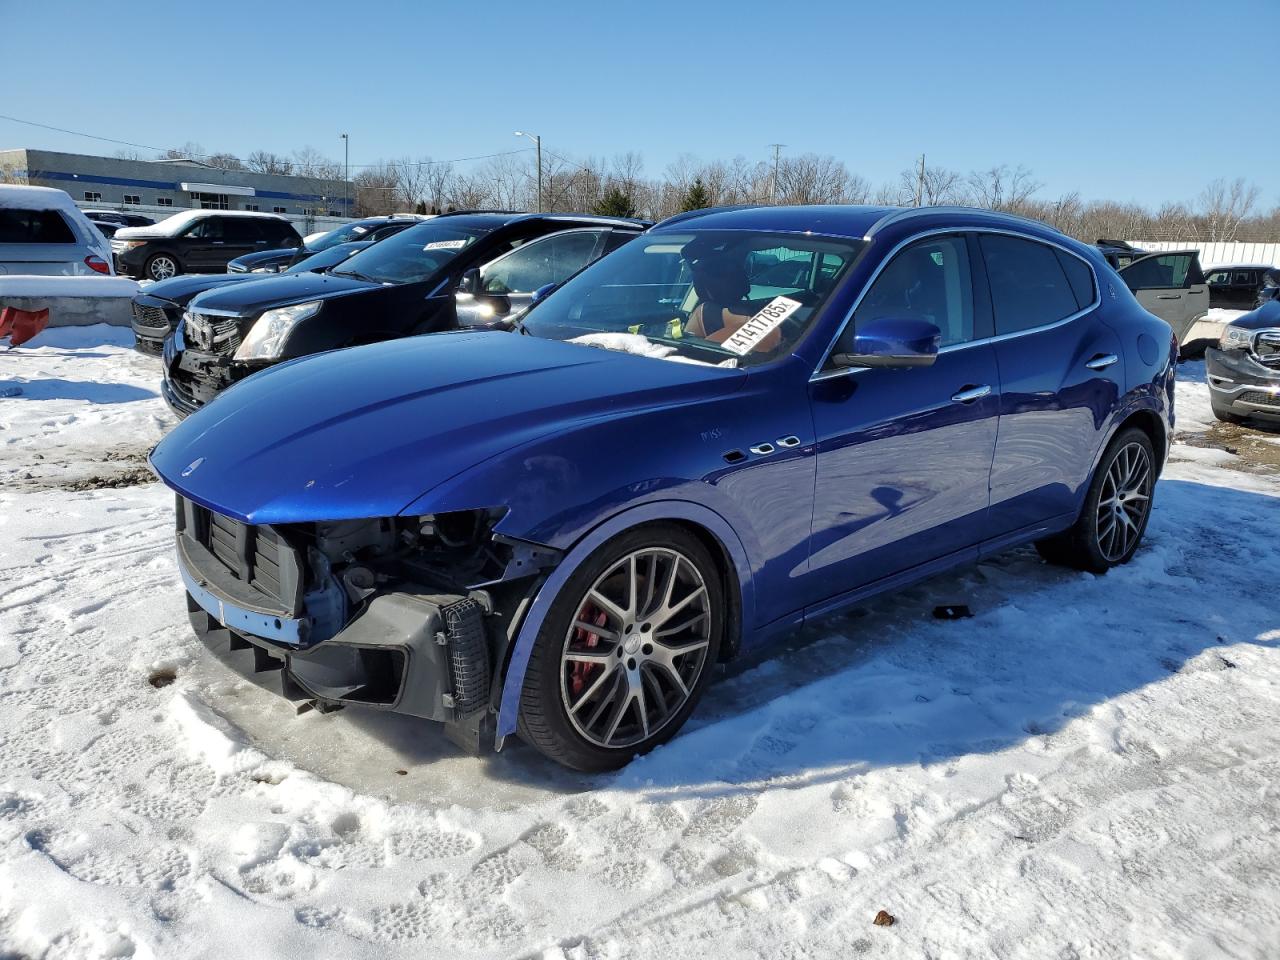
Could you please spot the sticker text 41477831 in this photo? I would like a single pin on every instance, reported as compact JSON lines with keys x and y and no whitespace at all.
{"x":749,"y":336}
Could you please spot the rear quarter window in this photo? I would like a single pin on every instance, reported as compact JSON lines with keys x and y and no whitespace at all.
{"x":1079,"y":276}
{"x":34,"y":226}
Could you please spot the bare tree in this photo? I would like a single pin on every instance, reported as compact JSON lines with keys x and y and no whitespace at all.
{"x":1225,"y":205}
{"x":261,"y":161}
{"x":937,"y":187}
{"x":310,"y":162}
{"x":1002,"y":187}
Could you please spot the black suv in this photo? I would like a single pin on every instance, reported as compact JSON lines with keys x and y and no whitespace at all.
{"x":1236,"y":286}
{"x":198,"y":241}
{"x":463,"y":269}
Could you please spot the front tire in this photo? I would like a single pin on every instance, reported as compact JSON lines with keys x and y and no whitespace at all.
{"x":1115,"y":512}
{"x":626,"y":650}
{"x":1225,"y":415}
{"x":162,"y":266}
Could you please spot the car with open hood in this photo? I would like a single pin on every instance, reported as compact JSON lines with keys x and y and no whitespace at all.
{"x":407,"y":284}
{"x":742,"y":420}
{"x":158,"y":308}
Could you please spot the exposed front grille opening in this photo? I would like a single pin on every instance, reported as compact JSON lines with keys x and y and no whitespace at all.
{"x":151,"y":317}
{"x":212,"y":333}
{"x":1260,"y":398}
{"x":255,"y":555}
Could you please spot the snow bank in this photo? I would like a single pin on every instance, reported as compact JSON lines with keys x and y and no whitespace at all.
{"x":42,"y":286}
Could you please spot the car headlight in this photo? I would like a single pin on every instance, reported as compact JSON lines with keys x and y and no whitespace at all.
{"x":266,"y":338}
{"x":1235,"y":338}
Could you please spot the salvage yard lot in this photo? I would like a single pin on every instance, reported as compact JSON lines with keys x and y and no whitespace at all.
{"x":1090,"y":766}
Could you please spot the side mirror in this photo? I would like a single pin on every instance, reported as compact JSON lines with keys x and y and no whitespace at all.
{"x":892,"y":342}
{"x":470,"y":282}
{"x":542,"y":292}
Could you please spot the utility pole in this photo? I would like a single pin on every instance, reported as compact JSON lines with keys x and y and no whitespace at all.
{"x":773,"y":188}
{"x":537,"y":141}
{"x":920,"y":184}
{"x":346,"y":173}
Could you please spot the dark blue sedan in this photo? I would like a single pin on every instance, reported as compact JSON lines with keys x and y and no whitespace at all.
{"x":739,"y":421}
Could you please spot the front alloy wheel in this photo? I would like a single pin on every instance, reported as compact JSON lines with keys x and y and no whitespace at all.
{"x":625,"y":650}
{"x":636,"y":648}
{"x":162,"y":267}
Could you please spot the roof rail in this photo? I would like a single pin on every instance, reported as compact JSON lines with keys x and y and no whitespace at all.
{"x":907,"y":213}
{"x":703,"y":211}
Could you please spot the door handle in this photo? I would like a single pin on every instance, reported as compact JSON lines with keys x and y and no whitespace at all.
{"x":1169,"y":296}
{"x":1102,"y":361}
{"x":970,"y":394}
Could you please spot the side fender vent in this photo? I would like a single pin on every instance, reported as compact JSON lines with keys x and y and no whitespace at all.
{"x":734,"y":456}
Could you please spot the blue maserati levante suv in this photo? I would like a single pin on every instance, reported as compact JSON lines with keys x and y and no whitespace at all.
{"x":742,"y":419}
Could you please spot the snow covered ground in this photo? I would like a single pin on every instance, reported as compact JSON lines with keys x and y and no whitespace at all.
{"x":1089,"y":767}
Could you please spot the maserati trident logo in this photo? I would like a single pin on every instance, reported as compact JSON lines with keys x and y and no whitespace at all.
{"x":192,"y":467}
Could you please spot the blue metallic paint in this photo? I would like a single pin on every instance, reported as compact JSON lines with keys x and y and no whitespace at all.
{"x":891,"y":480}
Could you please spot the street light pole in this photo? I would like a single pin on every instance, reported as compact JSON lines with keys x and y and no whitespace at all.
{"x":537,"y":141}
{"x":346,"y":172}
{"x":777,"y":153}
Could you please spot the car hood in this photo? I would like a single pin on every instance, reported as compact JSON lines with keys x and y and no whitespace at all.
{"x":365,"y":432}
{"x":181,"y":289}
{"x":280,"y":291}
{"x":1267,"y":315}
{"x":267,"y":256}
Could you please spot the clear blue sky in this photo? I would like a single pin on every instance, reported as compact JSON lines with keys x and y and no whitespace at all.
{"x":1139,"y":100}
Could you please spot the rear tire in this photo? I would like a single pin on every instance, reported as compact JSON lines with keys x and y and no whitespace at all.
{"x":1116,"y":509}
{"x":162,"y":266}
{"x":626,"y":650}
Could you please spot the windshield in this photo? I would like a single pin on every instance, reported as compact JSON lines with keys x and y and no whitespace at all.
{"x":412,"y":255}
{"x":329,"y":258}
{"x":716,"y":296}
{"x":348,"y":231}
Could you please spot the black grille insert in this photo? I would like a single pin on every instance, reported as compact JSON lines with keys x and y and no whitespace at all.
{"x":252,"y":554}
{"x":1260,"y":398}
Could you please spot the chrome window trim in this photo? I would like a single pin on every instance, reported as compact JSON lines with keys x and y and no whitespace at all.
{"x":820,"y":374}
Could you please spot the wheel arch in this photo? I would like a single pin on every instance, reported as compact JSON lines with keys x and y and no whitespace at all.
{"x":1150,"y":423}
{"x":708,"y":526}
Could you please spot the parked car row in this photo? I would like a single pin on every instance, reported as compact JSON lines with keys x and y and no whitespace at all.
{"x":276,"y":261}
{"x":636,"y":450}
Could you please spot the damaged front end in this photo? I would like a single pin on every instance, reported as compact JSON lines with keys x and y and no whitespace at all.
{"x":408,"y":614}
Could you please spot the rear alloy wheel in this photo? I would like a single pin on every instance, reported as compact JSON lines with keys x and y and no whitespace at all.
{"x":162,"y":267}
{"x":1116,"y":509}
{"x":625,"y":651}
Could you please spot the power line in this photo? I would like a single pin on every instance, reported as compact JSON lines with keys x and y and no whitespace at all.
{"x":147,"y":146}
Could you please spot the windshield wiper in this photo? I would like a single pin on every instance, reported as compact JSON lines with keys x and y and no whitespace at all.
{"x":354,"y":274}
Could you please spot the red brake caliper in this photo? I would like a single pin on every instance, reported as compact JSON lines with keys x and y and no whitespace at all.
{"x":579,"y":673}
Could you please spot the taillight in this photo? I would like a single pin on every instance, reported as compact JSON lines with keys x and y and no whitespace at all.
{"x":97,"y":264}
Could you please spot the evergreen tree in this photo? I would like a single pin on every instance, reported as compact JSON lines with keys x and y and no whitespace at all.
{"x":420,"y":208}
{"x":616,"y":202}
{"x":696,"y":197}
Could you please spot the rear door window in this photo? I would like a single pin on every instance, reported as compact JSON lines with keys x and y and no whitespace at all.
{"x":1160,"y":272}
{"x":534,"y":265}
{"x":1028,"y":285}
{"x":34,"y":226}
{"x":237,"y":230}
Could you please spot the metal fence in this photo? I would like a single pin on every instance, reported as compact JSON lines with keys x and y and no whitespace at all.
{"x":1220,"y":253}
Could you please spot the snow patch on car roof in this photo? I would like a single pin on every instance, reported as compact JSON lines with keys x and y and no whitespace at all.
{"x":170,"y":226}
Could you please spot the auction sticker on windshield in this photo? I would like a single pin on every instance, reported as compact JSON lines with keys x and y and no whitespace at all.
{"x":750,"y":335}
{"x":445,"y":245}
